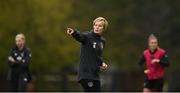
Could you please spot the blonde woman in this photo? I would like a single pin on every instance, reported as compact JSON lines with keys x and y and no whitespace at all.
{"x":19,"y":60}
{"x":91,"y":60}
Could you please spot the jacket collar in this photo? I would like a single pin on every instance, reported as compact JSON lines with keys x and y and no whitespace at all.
{"x":20,"y":50}
{"x":96,"y":35}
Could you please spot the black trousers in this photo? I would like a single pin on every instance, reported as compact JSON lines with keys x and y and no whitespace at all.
{"x":19,"y":85}
{"x":155,"y":85}
{"x":90,"y":85}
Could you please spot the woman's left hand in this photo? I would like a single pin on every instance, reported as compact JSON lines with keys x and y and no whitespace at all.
{"x":104,"y":67}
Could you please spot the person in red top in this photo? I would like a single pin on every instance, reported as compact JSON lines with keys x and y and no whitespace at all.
{"x":155,"y":59}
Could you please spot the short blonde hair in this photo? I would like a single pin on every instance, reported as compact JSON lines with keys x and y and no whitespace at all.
{"x":22,"y":36}
{"x":101,"y":19}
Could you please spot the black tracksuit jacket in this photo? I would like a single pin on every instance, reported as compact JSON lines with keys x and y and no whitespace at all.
{"x":20,"y":69}
{"x":90,"y":54}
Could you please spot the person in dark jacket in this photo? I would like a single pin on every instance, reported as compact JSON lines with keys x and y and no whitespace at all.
{"x":155,"y":59}
{"x":19,"y":60}
{"x":91,"y":54}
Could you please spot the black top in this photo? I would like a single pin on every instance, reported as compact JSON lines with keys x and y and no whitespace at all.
{"x":19,"y":68}
{"x":90,"y":55}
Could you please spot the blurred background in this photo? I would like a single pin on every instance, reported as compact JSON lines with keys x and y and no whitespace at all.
{"x":55,"y":55}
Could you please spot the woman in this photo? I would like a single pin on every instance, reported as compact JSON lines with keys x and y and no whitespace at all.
{"x":19,"y":60}
{"x":91,"y":60}
{"x":155,"y":59}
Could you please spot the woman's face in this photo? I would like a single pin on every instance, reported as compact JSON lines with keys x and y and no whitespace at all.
{"x":153,"y":44}
{"x":19,"y":42}
{"x":98,"y":27}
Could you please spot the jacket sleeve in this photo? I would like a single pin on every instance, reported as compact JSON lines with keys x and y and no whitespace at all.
{"x":101,"y":57}
{"x":10,"y":63}
{"x":26,"y":61}
{"x":164,"y":60}
{"x":141,"y":62}
{"x":101,"y":60}
{"x":81,"y":37}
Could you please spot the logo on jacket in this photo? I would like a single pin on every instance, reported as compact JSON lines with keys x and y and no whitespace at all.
{"x":94,"y":44}
{"x":90,"y":84}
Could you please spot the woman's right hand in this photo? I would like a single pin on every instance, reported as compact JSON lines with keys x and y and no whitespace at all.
{"x":70,"y":31}
{"x":146,"y":71}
